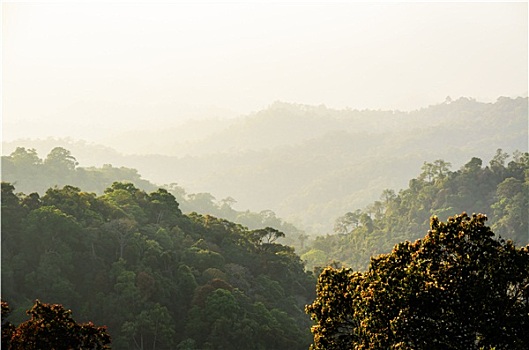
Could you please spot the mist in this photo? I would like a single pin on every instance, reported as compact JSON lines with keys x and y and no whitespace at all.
{"x":98,"y":71}
{"x":281,"y":106}
{"x":265,"y":175}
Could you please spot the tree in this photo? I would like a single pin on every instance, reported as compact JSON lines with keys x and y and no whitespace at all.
{"x":164,"y":207}
{"x":7,"y":327}
{"x":122,"y":231}
{"x":498,"y":161}
{"x":512,"y":209}
{"x":12,"y":212}
{"x":473,"y":165}
{"x":427,"y":172}
{"x":436,"y":170}
{"x":441,"y":168}
{"x":268,"y":233}
{"x":26,"y":159}
{"x":387,"y":196}
{"x":151,"y":328}
{"x":302,"y":237}
{"x":202,"y":202}
{"x":458,"y":288}
{"x":61,"y":159}
{"x":52,"y":327}
{"x":345,"y":224}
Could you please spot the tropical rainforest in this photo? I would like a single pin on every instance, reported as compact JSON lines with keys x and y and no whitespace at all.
{"x":162,"y":268}
{"x":309,"y":164}
{"x":157,"y":278}
{"x":457,"y":288}
{"x":131,"y":260}
{"x":500,"y":189}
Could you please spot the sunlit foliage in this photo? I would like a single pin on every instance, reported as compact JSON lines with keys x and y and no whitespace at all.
{"x":457,"y":288}
{"x":51,"y":327}
{"x":500,"y":189}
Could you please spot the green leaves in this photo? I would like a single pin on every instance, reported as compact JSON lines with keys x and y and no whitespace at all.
{"x":157,"y":278}
{"x":502,"y":191}
{"x":456,"y":288}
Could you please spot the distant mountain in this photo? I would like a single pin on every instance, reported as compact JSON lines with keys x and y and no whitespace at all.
{"x":310,"y":163}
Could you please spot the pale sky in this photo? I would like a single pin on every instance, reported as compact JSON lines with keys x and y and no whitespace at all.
{"x":85,"y":70}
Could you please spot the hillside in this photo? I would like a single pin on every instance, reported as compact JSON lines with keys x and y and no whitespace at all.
{"x":34,"y":175}
{"x":308,"y":163}
{"x":499,"y":189}
{"x":132,"y":261}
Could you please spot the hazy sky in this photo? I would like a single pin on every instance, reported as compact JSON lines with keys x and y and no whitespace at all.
{"x":87,"y":70}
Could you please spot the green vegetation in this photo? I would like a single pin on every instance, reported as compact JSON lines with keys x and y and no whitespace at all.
{"x":457,"y":288}
{"x":142,"y":261}
{"x":501,"y":189}
{"x":29,"y":173}
{"x":310,"y":163}
{"x":132,"y":261}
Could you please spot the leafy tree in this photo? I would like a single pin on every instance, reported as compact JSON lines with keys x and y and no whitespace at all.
{"x":315,"y":257}
{"x":497,"y":163}
{"x":151,"y":329}
{"x":72,"y":201}
{"x":60,"y":158}
{"x":345,"y":224}
{"x":12,"y":213}
{"x":52,"y":327}
{"x":473,"y":165}
{"x":458,"y":288}
{"x":512,"y":208}
{"x":122,"y":230}
{"x":22,"y":164}
{"x":32,"y":174}
{"x":204,"y":202}
{"x":266,"y":236}
{"x":163,"y":207}
{"x":7,"y":327}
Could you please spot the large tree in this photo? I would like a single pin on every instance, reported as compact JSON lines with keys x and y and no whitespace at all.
{"x":51,"y":327}
{"x":458,"y":288}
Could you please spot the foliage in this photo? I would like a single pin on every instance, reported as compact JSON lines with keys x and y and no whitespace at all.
{"x":157,"y":278}
{"x":60,"y":168}
{"x":33,"y":175}
{"x":51,"y":327}
{"x":500,"y":188}
{"x":458,"y":288}
{"x":310,"y":164}
{"x":206,"y":203}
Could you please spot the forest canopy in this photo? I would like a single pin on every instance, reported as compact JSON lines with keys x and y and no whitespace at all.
{"x":132,"y":261}
{"x":500,"y":189}
{"x":330,"y":161}
{"x":30,"y":173}
{"x":33,"y":175}
{"x":51,"y":327}
{"x":457,"y":288}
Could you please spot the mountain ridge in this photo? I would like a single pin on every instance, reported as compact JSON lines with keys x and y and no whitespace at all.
{"x":349,"y":153}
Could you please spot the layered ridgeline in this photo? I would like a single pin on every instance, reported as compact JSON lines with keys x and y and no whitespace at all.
{"x":31,"y":174}
{"x":308,"y":163}
{"x":131,"y":260}
{"x":499,"y":189}
{"x":157,"y":278}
